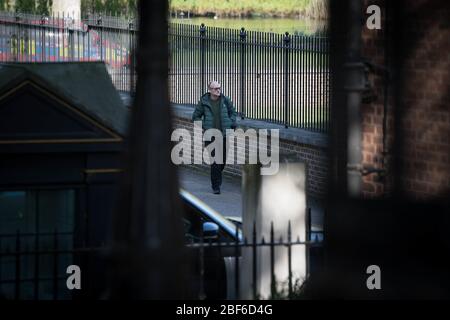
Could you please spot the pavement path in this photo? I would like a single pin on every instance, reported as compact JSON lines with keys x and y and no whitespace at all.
{"x":229,"y":202}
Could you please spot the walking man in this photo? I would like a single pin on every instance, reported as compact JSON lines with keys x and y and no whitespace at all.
{"x":216,"y":111}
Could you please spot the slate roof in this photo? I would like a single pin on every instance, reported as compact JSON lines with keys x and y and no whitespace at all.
{"x":86,"y":86}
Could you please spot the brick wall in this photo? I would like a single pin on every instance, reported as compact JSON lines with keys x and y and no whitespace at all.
{"x":315,"y":158}
{"x":426,"y":121}
{"x":424,"y":99}
{"x":372,"y":111}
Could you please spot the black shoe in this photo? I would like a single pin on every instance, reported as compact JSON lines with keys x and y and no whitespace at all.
{"x":216,"y":191}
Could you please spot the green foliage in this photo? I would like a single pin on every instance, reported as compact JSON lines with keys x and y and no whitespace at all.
{"x":253,"y":8}
{"x":98,"y":6}
{"x":131,"y":7}
{"x":281,"y":291}
{"x":275,"y":25}
{"x":232,"y":8}
{"x":29,"y":6}
{"x":43,"y":7}
{"x":114,"y":7}
{"x":26,"y":6}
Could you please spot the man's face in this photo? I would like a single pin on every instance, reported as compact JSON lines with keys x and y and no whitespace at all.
{"x":215,"y":89}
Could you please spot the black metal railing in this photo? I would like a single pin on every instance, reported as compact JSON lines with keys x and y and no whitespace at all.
{"x":272,"y":77}
{"x":280,"y":78}
{"x":59,"y":38}
{"x":33,"y":265}
{"x":249,"y":251}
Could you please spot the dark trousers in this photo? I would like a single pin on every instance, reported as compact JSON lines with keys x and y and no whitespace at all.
{"x":216,"y":168}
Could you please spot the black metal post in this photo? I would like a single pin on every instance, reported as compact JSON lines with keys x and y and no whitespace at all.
{"x":36,"y":267}
{"x":272,"y":262}
{"x":254,"y":260}
{"x":19,"y":42}
{"x":64,"y":40}
{"x":202,"y":294}
{"x":131,"y":50}
{"x":202,"y":56}
{"x":18,"y":266}
{"x":287,"y":42}
{"x":147,"y":223}
{"x":61,"y":32}
{"x":55,"y":265}
{"x":42,"y":33}
{"x":308,"y":239}
{"x":236,"y":264}
{"x":88,"y":31}
{"x":243,"y":38}
{"x":308,"y":224}
{"x":290,"y":259}
{"x":99,"y":23}
{"x":71,"y":44}
{"x":1,"y":256}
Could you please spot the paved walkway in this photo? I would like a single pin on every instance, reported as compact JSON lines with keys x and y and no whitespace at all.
{"x":229,"y":202}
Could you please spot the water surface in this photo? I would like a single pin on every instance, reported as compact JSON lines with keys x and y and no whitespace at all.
{"x":276,"y":25}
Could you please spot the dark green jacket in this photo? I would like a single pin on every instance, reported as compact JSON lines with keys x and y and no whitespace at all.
{"x":203,"y":111}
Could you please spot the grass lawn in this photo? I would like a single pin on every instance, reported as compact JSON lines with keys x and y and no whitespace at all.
{"x":279,"y":8}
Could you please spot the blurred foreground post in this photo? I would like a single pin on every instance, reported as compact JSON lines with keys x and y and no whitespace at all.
{"x":148,"y":243}
{"x":273,"y":204}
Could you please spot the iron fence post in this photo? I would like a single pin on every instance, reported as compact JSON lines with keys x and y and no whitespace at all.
{"x":289,"y":243}
{"x":287,"y":42}
{"x":243,"y":38}
{"x":18,"y":267}
{"x":202,"y":56}
{"x":88,"y":32}
{"x":55,"y":265}
{"x":99,"y":23}
{"x":42,"y":31}
{"x":17,"y":39}
{"x":131,"y":53}
{"x":236,"y":265}
{"x":308,"y":224}
{"x":1,"y":256}
{"x":308,"y":239}
{"x":202,"y":294}
{"x":254,"y":261}
{"x":272,"y":262}
{"x":36,"y":267}
{"x":71,"y":44}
